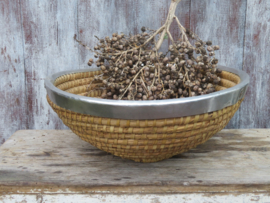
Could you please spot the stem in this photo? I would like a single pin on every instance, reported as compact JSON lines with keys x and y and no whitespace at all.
{"x":148,"y":40}
{"x":170,"y":36}
{"x":131,"y":83}
{"x":168,"y":22}
{"x":183,"y":30}
{"x":119,"y":58}
{"x":153,"y":35}
{"x":164,"y":29}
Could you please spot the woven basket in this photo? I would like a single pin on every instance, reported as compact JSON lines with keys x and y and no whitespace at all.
{"x":142,"y":140}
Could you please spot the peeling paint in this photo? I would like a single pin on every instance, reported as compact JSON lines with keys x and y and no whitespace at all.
{"x":151,"y":198}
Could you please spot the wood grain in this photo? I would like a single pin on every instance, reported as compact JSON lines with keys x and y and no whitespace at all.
{"x":48,"y":30}
{"x":223,"y":22}
{"x":255,"y":109}
{"x":12,"y":86}
{"x":53,"y":160}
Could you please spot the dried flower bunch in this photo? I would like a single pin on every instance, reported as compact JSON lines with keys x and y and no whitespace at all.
{"x":133,"y":69}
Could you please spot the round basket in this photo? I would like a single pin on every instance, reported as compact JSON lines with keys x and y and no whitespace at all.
{"x":145,"y":131}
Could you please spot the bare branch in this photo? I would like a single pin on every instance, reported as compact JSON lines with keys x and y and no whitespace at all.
{"x":183,"y":30}
{"x":170,"y":36}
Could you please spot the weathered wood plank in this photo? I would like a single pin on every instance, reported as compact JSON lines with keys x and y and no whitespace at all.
{"x":137,"y":198}
{"x":51,"y":160}
{"x":12,"y":86}
{"x":255,"y":109}
{"x":223,"y":22}
{"x":48,"y":30}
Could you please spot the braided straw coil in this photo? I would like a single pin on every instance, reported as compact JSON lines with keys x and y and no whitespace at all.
{"x":141,"y":140}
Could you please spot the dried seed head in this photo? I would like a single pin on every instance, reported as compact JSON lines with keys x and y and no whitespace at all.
{"x":182,"y":63}
{"x":209,"y":48}
{"x":119,"y":37}
{"x":185,"y":93}
{"x":183,"y":44}
{"x":205,"y":58}
{"x":135,"y":58}
{"x":109,"y":94}
{"x":219,"y":70}
{"x":199,"y":58}
{"x":209,"y":43}
{"x":153,"y":88}
{"x":145,"y":34}
{"x":189,"y":62}
{"x":144,"y":97}
{"x":127,"y":81}
{"x":171,"y":48}
{"x":146,"y":74}
{"x":129,"y":97}
{"x":216,"y":47}
{"x":197,"y":51}
{"x":215,"y":61}
{"x":186,"y":50}
{"x":103,"y":68}
{"x":203,"y":51}
{"x":200,"y":64}
{"x":165,"y":60}
{"x":214,"y":66}
{"x":139,"y":95}
{"x":173,"y":68}
{"x":198,"y":44}
{"x":163,"y":72}
{"x":209,"y":85}
{"x":103,"y":95}
{"x":212,"y":53}
{"x":180,"y":74}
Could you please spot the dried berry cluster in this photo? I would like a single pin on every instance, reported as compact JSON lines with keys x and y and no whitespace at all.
{"x":133,"y":69}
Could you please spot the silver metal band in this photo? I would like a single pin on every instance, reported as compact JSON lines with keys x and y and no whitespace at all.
{"x":157,"y":109}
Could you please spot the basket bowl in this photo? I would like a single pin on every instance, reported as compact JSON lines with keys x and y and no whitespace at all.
{"x":144,"y":131}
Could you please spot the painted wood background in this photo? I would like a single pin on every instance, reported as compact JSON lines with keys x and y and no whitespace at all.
{"x":36,"y":40}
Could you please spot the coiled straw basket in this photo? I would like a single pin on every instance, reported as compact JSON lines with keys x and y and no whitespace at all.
{"x":142,"y":140}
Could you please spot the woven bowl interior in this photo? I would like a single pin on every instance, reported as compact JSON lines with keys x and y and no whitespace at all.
{"x":141,"y":140}
{"x":78,"y":83}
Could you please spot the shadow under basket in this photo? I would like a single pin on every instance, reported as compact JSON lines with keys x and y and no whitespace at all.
{"x":142,"y":140}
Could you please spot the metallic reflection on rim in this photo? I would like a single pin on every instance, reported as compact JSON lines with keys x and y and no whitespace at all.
{"x":158,"y":109}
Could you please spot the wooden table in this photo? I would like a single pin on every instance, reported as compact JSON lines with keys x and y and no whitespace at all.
{"x":56,"y":166}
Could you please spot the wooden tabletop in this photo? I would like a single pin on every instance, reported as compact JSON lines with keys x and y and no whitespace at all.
{"x":57,"y":160}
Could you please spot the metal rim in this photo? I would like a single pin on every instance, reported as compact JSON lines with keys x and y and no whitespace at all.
{"x":158,"y":109}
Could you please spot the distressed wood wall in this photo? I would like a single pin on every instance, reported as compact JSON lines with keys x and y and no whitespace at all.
{"x":37,"y":40}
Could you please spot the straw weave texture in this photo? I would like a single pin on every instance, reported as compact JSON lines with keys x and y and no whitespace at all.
{"x":141,"y":140}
